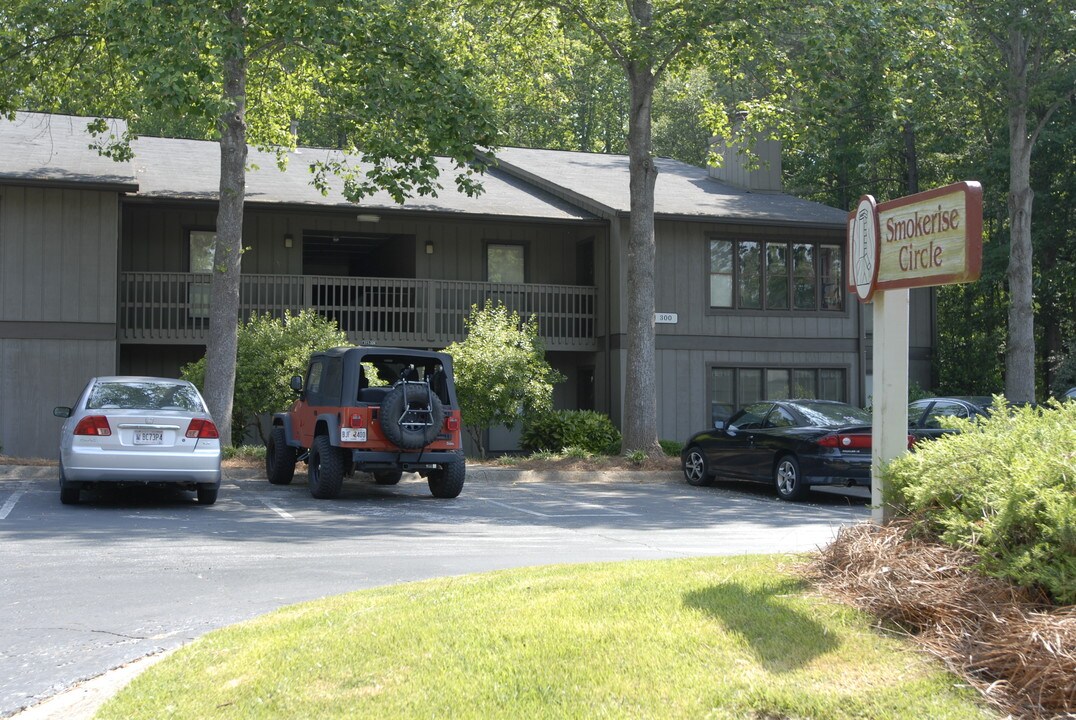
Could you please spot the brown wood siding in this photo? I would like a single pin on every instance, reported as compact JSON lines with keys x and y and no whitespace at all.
{"x":682,"y":287}
{"x":40,"y":375}
{"x":155,"y":240}
{"x":58,"y":255}
{"x":683,"y":381}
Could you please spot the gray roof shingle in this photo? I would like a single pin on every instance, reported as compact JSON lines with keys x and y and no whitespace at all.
{"x":55,"y":150}
{"x":529,"y":183}
{"x":682,"y":190}
{"x":190,"y":169}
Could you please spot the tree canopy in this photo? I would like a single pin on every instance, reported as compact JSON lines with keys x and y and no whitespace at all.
{"x":249,"y":72}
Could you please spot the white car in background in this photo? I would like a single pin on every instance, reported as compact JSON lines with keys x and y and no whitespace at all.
{"x":128,"y":430}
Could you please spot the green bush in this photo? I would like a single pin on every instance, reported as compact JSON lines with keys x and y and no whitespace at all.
{"x":583,"y":429}
{"x":671,"y":448}
{"x":500,"y":370}
{"x":1004,"y":488}
{"x":270,"y":351}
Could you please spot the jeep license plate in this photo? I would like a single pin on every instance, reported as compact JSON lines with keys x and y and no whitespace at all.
{"x":352,"y":434}
{"x":148,"y":437}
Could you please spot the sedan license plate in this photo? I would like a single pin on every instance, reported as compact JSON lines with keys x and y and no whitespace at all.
{"x":352,"y":434}
{"x":148,"y":437}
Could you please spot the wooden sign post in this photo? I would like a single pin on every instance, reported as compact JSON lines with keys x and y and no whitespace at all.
{"x":931,"y":238}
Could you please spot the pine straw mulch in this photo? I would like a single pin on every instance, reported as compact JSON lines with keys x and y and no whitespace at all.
{"x":1017,"y":650}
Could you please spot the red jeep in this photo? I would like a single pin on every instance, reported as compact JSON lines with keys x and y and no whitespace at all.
{"x":374,"y":409}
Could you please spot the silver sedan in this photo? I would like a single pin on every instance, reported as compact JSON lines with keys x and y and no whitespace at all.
{"x":127,"y":430}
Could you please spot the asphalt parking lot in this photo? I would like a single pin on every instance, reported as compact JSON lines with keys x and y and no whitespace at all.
{"x":91,"y":587}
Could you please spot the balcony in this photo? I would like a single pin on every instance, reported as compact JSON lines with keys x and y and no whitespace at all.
{"x":173,"y":308}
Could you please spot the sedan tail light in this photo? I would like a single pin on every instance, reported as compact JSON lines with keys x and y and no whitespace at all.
{"x":93,"y":425}
{"x":202,"y":429}
{"x":846,"y":442}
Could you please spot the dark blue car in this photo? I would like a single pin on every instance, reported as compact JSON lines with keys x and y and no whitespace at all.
{"x":925,"y":417}
{"x":791,"y":444}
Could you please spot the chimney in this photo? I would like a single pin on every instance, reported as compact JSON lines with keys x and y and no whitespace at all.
{"x":760,"y":174}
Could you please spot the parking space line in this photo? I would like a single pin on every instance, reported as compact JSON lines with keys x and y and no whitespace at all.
{"x":10,"y":504}
{"x":279,"y":511}
{"x":571,"y":515}
{"x":588,"y":505}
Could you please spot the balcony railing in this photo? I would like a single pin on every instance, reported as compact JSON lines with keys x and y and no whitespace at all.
{"x":174,"y":307}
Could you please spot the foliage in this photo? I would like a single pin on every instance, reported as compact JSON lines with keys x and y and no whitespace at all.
{"x":554,"y":431}
{"x":500,"y":369}
{"x":250,"y":73}
{"x":270,"y":352}
{"x":1005,"y":488}
{"x":636,"y":457}
{"x":671,"y":448}
{"x":248,"y":453}
{"x":1065,"y":374}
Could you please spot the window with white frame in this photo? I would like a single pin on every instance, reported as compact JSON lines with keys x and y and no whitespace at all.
{"x":732,"y":388}
{"x":775,"y":275}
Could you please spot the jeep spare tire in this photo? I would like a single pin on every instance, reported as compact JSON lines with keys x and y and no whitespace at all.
{"x":411,"y":416}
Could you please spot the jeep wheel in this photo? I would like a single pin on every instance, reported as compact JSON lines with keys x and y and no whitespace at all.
{"x":405,"y":419}
{"x":447,"y":481}
{"x":279,"y":458}
{"x":326,"y":469}
{"x":387,"y":477}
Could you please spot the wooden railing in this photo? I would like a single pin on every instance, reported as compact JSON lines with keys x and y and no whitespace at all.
{"x":174,"y":307}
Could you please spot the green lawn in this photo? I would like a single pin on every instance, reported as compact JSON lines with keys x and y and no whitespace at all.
{"x":736,"y":637}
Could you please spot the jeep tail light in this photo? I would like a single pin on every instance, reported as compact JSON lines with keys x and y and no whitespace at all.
{"x":93,"y":425}
{"x":846,"y":442}
{"x":202,"y":429}
{"x":452,"y":423}
{"x":357,"y":420}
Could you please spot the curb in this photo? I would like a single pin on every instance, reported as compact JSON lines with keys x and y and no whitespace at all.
{"x":82,"y":701}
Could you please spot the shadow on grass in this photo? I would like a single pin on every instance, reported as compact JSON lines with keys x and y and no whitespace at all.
{"x":783,"y":638}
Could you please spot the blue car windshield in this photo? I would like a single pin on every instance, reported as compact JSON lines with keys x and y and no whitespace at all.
{"x":143,"y":396}
{"x":832,"y":414}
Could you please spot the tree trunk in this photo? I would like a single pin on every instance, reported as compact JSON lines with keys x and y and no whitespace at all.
{"x":911,"y":159}
{"x":1020,"y":352}
{"x":640,"y":396}
{"x":224,"y":290}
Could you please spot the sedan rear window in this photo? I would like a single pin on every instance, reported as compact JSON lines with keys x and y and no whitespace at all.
{"x":144,"y":396}
{"x":833,"y":414}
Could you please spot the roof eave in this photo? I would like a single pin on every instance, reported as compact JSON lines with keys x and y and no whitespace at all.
{"x":742,"y":220}
{"x":69,"y":184}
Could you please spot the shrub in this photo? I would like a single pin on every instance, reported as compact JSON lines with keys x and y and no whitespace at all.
{"x":584,"y":429}
{"x":671,"y":448}
{"x":1004,"y":488}
{"x":501,"y":370}
{"x":270,"y":351}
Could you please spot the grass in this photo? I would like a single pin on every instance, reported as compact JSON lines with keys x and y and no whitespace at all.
{"x":714,"y":638}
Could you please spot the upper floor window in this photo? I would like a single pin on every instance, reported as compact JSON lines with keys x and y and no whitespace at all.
{"x":203,"y":245}
{"x":505,"y":263}
{"x":775,"y":275}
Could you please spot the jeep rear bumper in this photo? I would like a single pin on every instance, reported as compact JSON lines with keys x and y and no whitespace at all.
{"x":407,"y":461}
